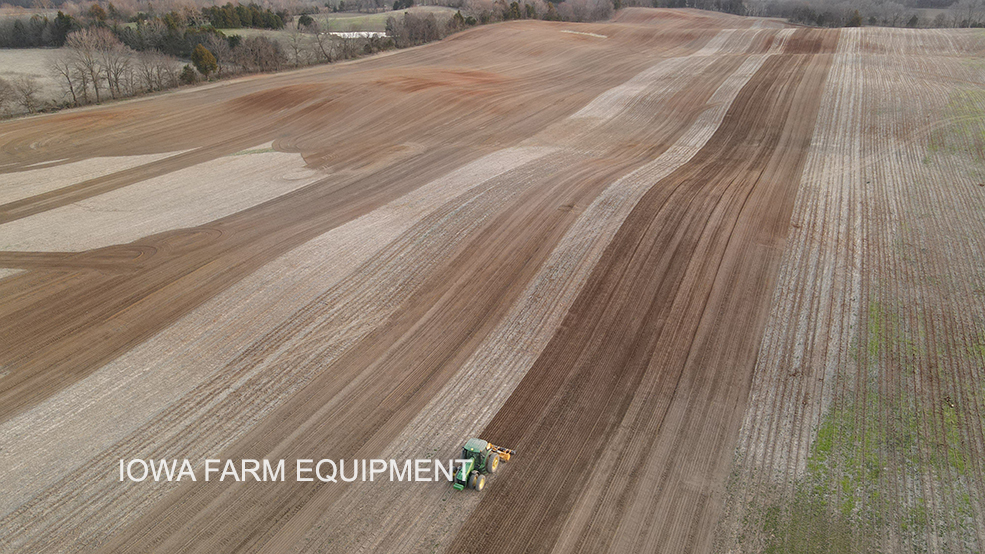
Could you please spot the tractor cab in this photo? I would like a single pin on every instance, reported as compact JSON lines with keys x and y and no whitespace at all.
{"x":475,"y":449}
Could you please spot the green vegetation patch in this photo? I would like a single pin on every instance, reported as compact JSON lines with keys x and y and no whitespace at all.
{"x":882,"y":444}
{"x":961,"y":127}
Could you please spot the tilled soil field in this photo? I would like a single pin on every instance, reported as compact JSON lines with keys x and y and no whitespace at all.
{"x":688,"y":265}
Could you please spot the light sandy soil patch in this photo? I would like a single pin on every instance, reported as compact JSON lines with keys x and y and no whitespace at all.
{"x":185,"y":198}
{"x":596,"y":35}
{"x":164,"y":369}
{"x":24,"y":184}
{"x":299,"y":349}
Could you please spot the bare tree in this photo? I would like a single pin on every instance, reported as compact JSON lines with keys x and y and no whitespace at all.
{"x":144,"y":67}
{"x":169,"y":71}
{"x":348,"y":45}
{"x":220,"y":49}
{"x":324,"y":45}
{"x":967,"y":12}
{"x":260,"y":54}
{"x":64,"y":70}
{"x":895,"y":13}
{"x":26,"y":90}
{"x":297,"y":50}
{"x":156,"y":71}
{"x":97,"y":57}
{"x":131,"y":81}
{"x":85,"y":47}
{"x":116,"y":60}
{"x":7,"y":95}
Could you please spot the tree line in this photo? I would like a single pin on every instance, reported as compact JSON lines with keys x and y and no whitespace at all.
{"x":164,"y":31}
{"x":36,"y":31}
{"x":492,"y":11}
{"x":95,"y":65}
{"x":886,"y":13}
{"x":250,"y":15}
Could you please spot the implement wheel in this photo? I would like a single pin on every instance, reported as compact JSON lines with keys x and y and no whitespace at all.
{"x":492,"y":464}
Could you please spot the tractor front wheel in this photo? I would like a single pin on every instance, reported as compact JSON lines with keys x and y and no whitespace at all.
{"x":492,"y":464}
{"x":473,"y":478}
{"x":480,"y":482}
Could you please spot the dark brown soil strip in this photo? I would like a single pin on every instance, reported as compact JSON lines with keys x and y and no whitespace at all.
{"x":691,"y":271}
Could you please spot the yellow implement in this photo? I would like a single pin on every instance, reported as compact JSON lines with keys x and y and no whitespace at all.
{"x":504,"y":453}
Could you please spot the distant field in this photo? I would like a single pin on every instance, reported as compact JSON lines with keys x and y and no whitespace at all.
{"x":376,"y":21}
{"x":23,"y":12}
{"x":30,"y":62}
{"x":348,"y":22}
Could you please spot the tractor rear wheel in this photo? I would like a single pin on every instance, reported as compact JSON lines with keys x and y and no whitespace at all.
{"x":480,"y":482}
{"x":492,"y":464}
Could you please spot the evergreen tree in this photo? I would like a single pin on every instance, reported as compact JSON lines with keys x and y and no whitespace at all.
{"x":204,"y":60}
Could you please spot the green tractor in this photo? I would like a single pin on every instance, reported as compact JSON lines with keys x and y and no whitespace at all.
{"x":483,"y":458}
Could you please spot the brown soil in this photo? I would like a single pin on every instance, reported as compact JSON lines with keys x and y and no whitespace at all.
{"x":625,"y":422}
{"x":337,"y":131}
{"x":650,"y":370}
